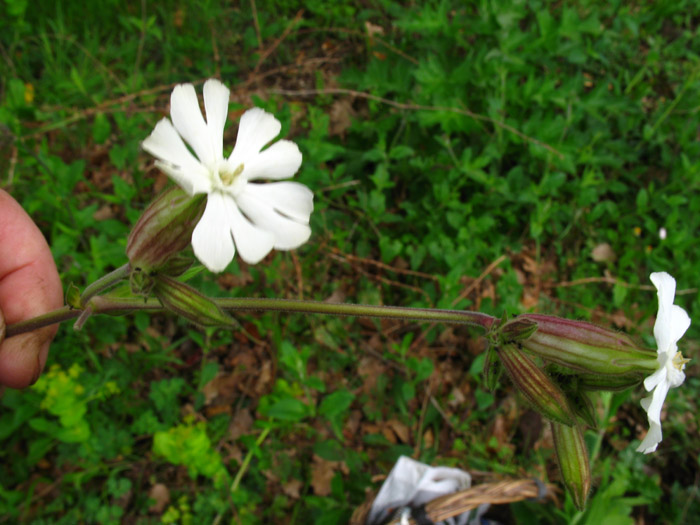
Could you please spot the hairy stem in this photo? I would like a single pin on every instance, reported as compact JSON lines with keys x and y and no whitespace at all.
{"x":119,"y":306}
{"x":105,"y":282}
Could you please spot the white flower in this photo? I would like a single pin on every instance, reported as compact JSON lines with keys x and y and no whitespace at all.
{"x":671,"y":323}
{"x":253,"y":218}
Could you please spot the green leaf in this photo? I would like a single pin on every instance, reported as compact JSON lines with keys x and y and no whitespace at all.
{"x":101,"y":128}
{"x":288,"y":409}
{"x":336,"y":403}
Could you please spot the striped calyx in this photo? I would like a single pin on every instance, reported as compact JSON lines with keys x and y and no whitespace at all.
{"x":535,"y":385}
{"x":164,"y":229}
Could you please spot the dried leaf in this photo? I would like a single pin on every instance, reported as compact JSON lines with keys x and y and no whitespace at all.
{"x":401,"y":430}
{"x":603,"y":253}
{"x":241,"y":424}
{"x":293,"y":488}
{"x":341,"y":115}
{"x":161,"y":495}
{"x":322,"y":473}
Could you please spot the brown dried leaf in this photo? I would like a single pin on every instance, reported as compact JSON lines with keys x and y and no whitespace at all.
{"x":457,"y":398}
{"x":428,"y":438}
{"x":530,"y":298}
{"x":293,"y":488}
{"x":229,"y":280}
{"x":322,"y":473}
{"x":500,"y":430}
{"x":222,"y":386}
{"x":401,"y":430}
{"x":161,"y":495}
{"x":352,"y":425}
{"x":603,"y":253}
{"x":389,"y":434}
{"x":373,"y":29}
{"x":104,"y":213}
{"x":370,"y":368}
{"x":241,"y":424}
{"x":341,"y":114}
{"x":265,"y":378}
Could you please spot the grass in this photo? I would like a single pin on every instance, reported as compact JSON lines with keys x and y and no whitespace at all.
{"x":462,"y":155}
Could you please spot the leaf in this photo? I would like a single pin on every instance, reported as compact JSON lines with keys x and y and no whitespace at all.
{"x":101,"y":128}
{"x":288,"y":409}
{"x":336,"y":403}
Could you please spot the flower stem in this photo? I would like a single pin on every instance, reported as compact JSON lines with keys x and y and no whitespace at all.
{"x":358,"y":310}
{"x":117,"y":306}
{"x":56,"y":316}
{"x":105,"y":282}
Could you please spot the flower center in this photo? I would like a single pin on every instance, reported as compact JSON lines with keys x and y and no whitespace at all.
{"x":679,"y":361}
{"x":227,"y":176}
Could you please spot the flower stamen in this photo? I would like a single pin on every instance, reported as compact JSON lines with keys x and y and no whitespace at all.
{"x":227,"y":177}
{"x":679,"y":361}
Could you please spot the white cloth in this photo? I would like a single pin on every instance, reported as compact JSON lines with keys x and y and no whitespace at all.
{"x":412,"y":484}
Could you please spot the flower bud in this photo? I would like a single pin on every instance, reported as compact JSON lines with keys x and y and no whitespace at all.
{"x":140,"y":282}
{"x":493,"y":368}
{"x":164,"y":229}
{"x":176,"y":265}
{"x":573,"y":461}
{"x":584,"y":347}
{"x":610,"y":383}
{"x":184,"y":300}
{"x":584,"y":408}
{"x":542,"y":393}
{"x":73,"y":296}
{"x":517,"y":329}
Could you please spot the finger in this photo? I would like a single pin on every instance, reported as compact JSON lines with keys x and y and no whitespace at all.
{"x":29,"y":286}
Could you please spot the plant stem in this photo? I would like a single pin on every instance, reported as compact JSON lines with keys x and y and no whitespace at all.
{"x":56,"y":316}
{"x":244,"y":467}
{"x":117,"y":306}
{"x":105,"y":282}
{"x":358,"y":310}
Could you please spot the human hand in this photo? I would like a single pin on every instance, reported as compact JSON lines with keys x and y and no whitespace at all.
{"x":29,"y":286}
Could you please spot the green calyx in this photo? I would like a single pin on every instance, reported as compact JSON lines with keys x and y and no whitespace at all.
{"x":580,"y":346}
{"x":164,"y":229}
{"x":574,"y":465}
{"x":189,"y":303}
{"x":535,"y":385}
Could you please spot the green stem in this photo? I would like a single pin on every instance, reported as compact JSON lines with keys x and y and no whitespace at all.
{"x":244,"y":467}
{"x":359,"y":310}
{"x":56,"y":316}
{"x":105,"y":282}
{"x":120,"y":306}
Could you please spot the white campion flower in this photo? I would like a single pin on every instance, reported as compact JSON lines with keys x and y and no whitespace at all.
{"x":252,"y":218}
{"x":671,"y":323}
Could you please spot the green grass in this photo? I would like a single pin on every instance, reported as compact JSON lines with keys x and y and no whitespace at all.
{"x":462,"y":154}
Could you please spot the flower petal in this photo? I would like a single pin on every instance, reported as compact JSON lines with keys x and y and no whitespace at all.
{"x":652,"y":404}
{"x":257,"y":128}
{"x":175,"y":159}
{"x":189,"y":122}
{"x":666,"y":291}
{"x":679,"y":322}
{"x":211,"y":238}
{"x":288,"y":233}
{"x":216,"y":97}
{"x":292,"y":199}
{"x":253,"y":243}
{"x":651,"y":440}
{"x":674,"y":377}
{"x":279,"y":161}
{"x":672,"y":321}
{"x":650,"y":382}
